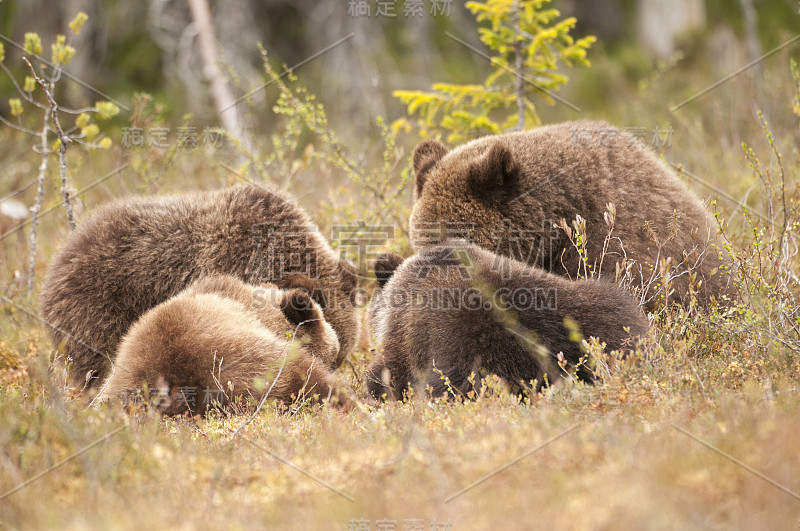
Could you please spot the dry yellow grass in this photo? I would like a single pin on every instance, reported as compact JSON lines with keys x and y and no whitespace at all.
{"x":624,"y":464}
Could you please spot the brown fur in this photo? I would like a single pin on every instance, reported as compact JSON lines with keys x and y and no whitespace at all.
{"x":510,"y":321}
{"x":506,"y":192}
{"x":217,"y":339}
{"x":137,"y":252}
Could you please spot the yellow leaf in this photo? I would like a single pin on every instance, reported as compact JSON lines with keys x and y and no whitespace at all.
{"x":78,"y":22}
{"x":90,"y":131}
{"x":62,"y":53}
{"x":33,"y":43}
{"x":106,"y":109}
{"x":83,"y":120}
{"x":16,"y":106}
{"x":29,"y":85}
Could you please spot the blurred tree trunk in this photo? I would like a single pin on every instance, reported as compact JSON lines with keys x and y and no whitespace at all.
{"x":661,"y":22}
{"x":751,"y":29}
{"x":352,"y":76}
{"x":224,"y":100}
{"x":602,"y":18}
{"x":754,"y":50}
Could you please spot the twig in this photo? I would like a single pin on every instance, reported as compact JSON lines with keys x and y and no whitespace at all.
{"x":37,"y":206}
{"x":62,"y":147}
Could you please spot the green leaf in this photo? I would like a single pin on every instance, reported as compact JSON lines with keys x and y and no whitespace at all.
{"x":90,"y":131}
{"x":16,"y":106}
{"x":78,"y":22}
{"x":83,"y":120}
{"x":465,"y":111}
{"x":33,"y":43}
{"x":62,"y":52}
{"x":29,"y":85}
{"x":106,"y":109}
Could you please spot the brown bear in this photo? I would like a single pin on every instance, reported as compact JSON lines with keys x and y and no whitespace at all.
{"x":508,"y":193}
{"x":221,"y":338}
{"x":134,"y":253}
{"x":456,"y":309}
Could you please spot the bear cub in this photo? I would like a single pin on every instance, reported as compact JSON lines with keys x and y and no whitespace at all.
{"x":135,"y":253}
{"x":221,"y":338}
{"x":456,"y":309}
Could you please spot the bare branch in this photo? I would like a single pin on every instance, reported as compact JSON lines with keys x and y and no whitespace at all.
{"x":22,"y":93}
{"x":19,"y":128}
{"x":37,"y":206}
{"x":63,"y":140}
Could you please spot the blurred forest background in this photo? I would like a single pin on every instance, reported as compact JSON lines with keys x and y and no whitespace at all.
{"x":151,"y":46}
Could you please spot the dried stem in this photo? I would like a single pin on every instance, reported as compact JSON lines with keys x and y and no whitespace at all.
{"x":37,"y":206}
{"x":63,"y":140}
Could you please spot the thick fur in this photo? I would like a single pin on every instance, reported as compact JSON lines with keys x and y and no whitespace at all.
{"x":221,"y":338}
{"x":512,"y":320}
{"x":135,"y":253}
{"x":507,"y":193}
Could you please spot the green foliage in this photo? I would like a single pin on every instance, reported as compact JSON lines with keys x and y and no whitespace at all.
{"x":29,"y":85}
{"x":78,"y":22}
{"x":529,"y":42}
{"x":766,"y":264}
{"x":106,"y":109}
{"x":62,"y":52}
{"x":45,"y":122}
{"x":16,"y":107}
{"x":48,"y":77}
{"x":305,"y":140}
{"x":33,"y":43}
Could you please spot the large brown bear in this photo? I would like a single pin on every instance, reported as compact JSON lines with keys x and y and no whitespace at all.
{"x":457,"y":309}
{"x":221,"y":338}
{"x":137,"y":252}
{"x":508,"y":193}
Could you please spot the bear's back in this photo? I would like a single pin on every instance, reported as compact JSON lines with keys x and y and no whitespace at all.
{"x":460,"y":297}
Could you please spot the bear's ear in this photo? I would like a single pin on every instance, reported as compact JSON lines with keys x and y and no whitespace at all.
{"x":385,"y":266}
{"x":298,"y":307}
{"x":496,"y":172}
{"x":307,"y":284}
{"x":426,"y":155}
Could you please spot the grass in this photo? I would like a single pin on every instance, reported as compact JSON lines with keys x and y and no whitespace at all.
{"x":702,"y":432}
{"x":626,"y":464}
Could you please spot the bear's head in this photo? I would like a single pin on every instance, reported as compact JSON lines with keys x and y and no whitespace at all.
{"x":291,"y":312}
{"x":337,"y":300}
{"x":307,"y":325}
{"x":465,"y":194}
